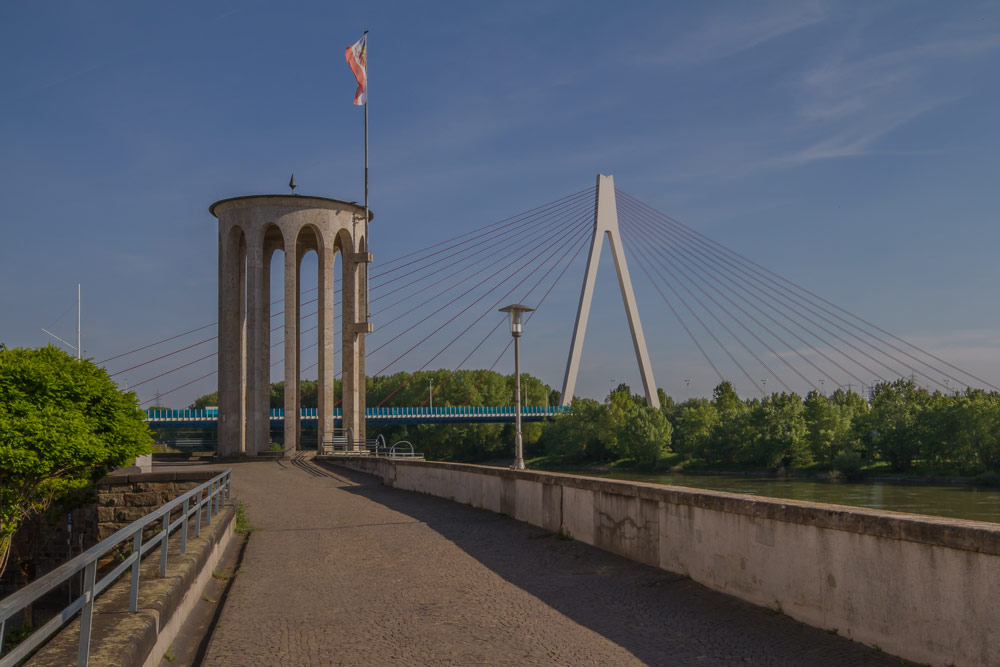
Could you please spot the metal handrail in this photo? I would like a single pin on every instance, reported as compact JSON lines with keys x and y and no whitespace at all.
{"x":401,"y":454}
{"x":217,"y":491}
{"x":347,"y":439}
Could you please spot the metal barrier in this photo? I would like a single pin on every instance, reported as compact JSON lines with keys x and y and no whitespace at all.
{"x":377,"y":445}
{"x":216,"y":492}
{"x":342,"y":440}
{"x":393,"y":454}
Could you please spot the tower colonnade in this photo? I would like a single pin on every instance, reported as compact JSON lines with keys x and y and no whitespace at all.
{"x":251,"y":229}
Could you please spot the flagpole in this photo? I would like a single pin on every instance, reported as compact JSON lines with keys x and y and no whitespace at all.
{"x":368,"y":243}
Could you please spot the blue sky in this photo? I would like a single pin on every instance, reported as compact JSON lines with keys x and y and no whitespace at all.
{"x":849,"y":146}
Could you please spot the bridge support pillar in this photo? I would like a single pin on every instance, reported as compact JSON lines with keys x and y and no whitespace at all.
{"x":250,"y":230}
{"x":606,"y":223}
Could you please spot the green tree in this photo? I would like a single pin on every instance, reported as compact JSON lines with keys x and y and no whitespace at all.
{"x":63,"y":425}
{"x":977,"y":417}
{"x":731,"y":432}
{"x":205,"y":401}
{"x":646,"y":434}
{"x":576,"y":435}
{"x":694,"y":421}
{"x":893,"y":421}
{"x":829,"y":423}
{"x":777,"y":432}
{"x":937,"y":428}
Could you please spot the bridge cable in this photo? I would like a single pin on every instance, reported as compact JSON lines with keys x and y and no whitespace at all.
{"x":797,"y":299}
{"x":500,"y":260}
{"x":860,"y":351}
{"x":513,"y":273}
{"x":852,"y":315}
{"x":851,"y":359}
{"x":745,"y":268}
{"x":642,"y":255}
{"x":576,"y":195}
{"x":713,"y":281}
{"x":498,"y":249}
{"x":569,"y":229}
{"x":712,"y":268}
{"x":528,"y":318}
{"x":579,"y":245}
{"x":507,"y":231}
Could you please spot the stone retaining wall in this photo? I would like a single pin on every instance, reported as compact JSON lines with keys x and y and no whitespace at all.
{"x":122,"y":499}
{"x":920,"y":587}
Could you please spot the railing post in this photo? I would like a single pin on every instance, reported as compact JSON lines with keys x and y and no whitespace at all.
{"x":208,"y":505}
{"x":164,"y":538}
{"x":133,"y":591}
{"x":197,"y":516}
{"x":87,"y":615}
{"x":184,"y":527}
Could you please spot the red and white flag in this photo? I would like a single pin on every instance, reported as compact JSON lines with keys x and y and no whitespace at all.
{"x":357,"y":58}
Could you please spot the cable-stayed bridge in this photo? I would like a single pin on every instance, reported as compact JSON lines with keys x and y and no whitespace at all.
{"x":437,"y":307}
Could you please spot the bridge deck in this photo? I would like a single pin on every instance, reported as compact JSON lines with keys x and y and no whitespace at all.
{"x":406,"y":415}
{"x":341,"y":570}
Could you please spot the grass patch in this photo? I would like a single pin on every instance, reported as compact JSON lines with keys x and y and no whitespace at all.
{"x":242,"y":521}
{"x":208,"y":599}
{"x":224,"y":576}
{"x":169,"y":656}
{"x":564,"y":534}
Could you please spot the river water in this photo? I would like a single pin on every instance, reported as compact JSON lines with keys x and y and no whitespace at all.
{"x":960,"y":502}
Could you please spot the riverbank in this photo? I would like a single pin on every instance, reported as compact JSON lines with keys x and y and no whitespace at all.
{"x":675,"y":465}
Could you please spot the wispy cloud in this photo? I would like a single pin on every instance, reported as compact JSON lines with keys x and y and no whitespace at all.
{"x":737,"y":31}
{"x":864,"y":90}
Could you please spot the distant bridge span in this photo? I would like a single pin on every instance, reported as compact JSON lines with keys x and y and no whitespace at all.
{"x":209,"y":418}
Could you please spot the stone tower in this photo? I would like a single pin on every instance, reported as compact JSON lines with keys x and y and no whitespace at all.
{"x":250,"y":230}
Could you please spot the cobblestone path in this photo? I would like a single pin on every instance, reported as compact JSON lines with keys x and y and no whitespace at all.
{"x":343,"y":571}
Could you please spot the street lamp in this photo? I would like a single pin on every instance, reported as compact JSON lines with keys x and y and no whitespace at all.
{"x":516,"y":312}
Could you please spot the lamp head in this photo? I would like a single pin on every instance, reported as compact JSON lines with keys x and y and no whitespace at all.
{"x":516,"y":312}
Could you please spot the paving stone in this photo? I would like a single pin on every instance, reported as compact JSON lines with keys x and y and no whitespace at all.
{"x":341,"y":570}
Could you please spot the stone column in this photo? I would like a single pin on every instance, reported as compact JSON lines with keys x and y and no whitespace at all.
{"x":291,"y":346}
{"x":232,"y":258}
{"x":327,"y":256}
{"x":353,"y":419}
{"x":361,"y":271}
{"x":257,"y":321}
{"x":265,"y":377}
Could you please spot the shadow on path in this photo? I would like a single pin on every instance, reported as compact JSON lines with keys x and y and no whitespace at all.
{"x":660,"y":617}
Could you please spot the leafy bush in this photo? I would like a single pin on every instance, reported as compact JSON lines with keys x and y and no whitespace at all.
{"x":63,"y":425}
{"x":849,"y":464}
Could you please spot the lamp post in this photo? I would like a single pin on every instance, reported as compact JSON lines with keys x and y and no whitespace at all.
{"x":516,"y":312}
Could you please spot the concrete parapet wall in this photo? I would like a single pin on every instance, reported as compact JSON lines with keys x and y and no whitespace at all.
{"x":920,"y":587}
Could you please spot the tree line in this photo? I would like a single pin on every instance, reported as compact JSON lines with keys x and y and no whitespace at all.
{"x":900,"y":425}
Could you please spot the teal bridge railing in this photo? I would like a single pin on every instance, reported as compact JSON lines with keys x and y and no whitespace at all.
{"x":405,"y":415}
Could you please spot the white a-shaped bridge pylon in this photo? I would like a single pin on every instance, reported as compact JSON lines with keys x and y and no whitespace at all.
{"x":606,"y":222}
